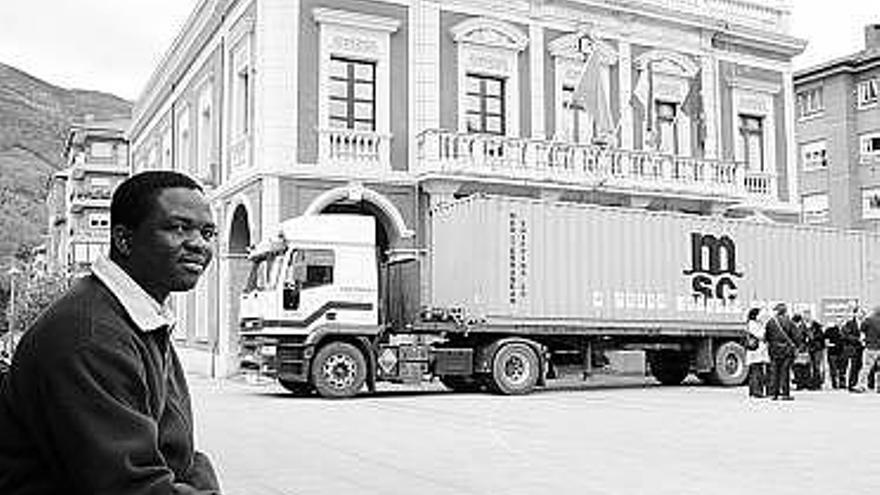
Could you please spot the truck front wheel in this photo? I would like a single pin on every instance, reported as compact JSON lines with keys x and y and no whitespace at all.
{"x":339,"y":370}
{"x":515,"y":369}
{"x":730,"y":364}
{"x":668,"y":367}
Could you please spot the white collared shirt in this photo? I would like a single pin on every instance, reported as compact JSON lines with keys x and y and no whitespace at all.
{"x":145,"y":311}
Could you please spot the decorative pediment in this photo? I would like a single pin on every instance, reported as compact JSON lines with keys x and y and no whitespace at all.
{"x":490,"y":32}
{"x":668,"y":62}
{"x":577,"y":45}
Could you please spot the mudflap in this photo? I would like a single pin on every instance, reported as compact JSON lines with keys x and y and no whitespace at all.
{"x":370,"y":354}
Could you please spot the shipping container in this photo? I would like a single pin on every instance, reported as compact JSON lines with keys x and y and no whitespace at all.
{"x":529,"y":263}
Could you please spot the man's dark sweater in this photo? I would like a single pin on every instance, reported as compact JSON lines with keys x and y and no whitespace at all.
{"x":95,"y":405}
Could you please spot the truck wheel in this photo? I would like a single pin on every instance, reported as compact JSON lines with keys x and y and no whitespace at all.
{"x":730,"y":364}
{"x":668,"y":367}
{"x":460,"y":383}
{"x":299,"y":389}
{"x":515,"y":369}
{"x":339,"y":370}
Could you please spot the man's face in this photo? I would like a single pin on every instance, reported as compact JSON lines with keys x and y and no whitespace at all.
{"x":171,"y":248}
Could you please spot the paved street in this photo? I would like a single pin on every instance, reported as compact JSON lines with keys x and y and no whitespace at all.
{"x":633,"y":438}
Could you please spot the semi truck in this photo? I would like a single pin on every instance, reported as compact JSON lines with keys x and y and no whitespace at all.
{"x":511,"y":292}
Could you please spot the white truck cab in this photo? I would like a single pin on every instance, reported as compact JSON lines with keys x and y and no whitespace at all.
{"x":312,"y":273}
{"x":318,"y":274}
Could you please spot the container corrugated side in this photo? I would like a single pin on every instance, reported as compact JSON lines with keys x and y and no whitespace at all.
{"x":523,"y":261}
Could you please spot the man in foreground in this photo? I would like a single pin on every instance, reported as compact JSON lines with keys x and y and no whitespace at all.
{"x":96,"y":401}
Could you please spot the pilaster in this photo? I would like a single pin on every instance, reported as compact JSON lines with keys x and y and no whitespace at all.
{"x":536,"y":69}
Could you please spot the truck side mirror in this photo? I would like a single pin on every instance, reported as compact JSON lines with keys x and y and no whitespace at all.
{"x":290,"y":296}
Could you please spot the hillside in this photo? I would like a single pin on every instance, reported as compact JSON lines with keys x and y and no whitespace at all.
{"x":34,"y":119}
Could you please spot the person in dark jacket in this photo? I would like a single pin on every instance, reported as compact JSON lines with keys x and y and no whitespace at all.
{"x":800,"y":369}
{"x":815,"y":343}
{"x":871,"y":359}
{"x":836,"y":358}
{"x":96,"y":401}
{"x":853,"y":348}
{"x":779,"y":335}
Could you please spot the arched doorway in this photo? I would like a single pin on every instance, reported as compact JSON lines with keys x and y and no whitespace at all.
{"x":394,"y":246}
{"x":237,"y":269}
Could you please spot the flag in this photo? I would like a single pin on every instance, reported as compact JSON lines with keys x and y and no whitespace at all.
{"x":590,"y":95}
{"x":643,"y":95}
{"x":693,"y":106}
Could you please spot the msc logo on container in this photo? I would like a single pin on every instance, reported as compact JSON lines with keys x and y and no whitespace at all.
{"x":713,"y":267}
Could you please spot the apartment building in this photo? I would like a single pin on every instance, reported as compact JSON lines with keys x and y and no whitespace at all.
{"x":392,"y":107}
{"x":96,"y":154}
{"x":838,"y":138}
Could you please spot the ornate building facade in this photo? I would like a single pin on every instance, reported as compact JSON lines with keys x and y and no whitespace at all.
{"x":391,"y":107}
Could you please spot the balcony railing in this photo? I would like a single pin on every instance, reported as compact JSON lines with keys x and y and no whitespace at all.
{"x":761,"y":184}
{"x":359,"y":149}
{"x":97,"y":196}
{"x":585,"y":165}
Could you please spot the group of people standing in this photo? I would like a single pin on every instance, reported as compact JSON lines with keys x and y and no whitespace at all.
{"x":783,"y":350}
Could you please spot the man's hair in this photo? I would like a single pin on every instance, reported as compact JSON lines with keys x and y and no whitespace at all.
{"x":135,"y":198}
{"x":753,"y":314}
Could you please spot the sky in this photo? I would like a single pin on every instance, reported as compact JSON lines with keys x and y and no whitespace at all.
{"x":114,"y":45}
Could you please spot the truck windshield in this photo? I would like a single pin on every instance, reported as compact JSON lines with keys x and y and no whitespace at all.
{"x":262,"y":276}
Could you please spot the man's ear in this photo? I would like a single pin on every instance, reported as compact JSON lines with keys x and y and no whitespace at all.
{"x":120,"y":237}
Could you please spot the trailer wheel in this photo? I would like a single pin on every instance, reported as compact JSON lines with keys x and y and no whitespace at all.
{"x":730,"y":364}
{"x":339,"y":370}
{"x":461,"y":383}
{"x":515,"y":369}
{"x":669,"y":367}
{"x":298,"y":389}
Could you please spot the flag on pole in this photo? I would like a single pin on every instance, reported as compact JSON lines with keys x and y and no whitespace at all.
{"x":590,"y":95}
{"x":643,"y":96}
{"x":693,"y":106}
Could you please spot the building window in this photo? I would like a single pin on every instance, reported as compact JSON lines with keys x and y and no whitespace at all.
{"x":809,"y":102}
{"x":752,"y":142}
{"x":871,"y":203}
{"x":183,"y":140}
{"x":484,"y":107}
{"x":167,"y":157}
{"x":242,"y":101}
{"x":99,"y":220}
{"x":868,"y":93}
{"x":815,"y":208}
{"x":204,"y":130}
{"x":666,"y":128}
{"x":242,"y":87}
{"x":869,"y":146}
{"x":814,"y":156}
{"x":101,"y":149}
{"x":352,"y":94}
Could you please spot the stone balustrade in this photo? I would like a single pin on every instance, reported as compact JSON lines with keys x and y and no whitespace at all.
{"x":500,"y":157}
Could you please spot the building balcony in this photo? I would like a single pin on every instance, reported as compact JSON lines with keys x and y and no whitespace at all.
{"x":96,"y":197}
{"x":358,"y":150}
{"x":563,"y":164}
